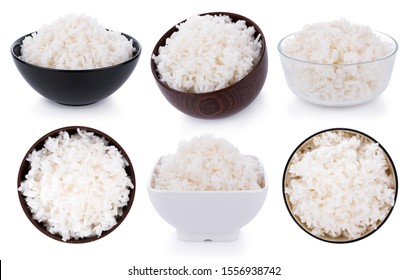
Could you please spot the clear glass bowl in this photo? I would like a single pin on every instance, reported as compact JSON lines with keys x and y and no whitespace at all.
{"x":338,"y":84}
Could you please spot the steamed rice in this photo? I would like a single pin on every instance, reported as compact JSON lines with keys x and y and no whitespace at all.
{"x":76,"y":42}
{"x":207,"y":163}
{"x":208,"y":53}
{"x":330,"y":62}
{"x":77,"y":185}
{"x":340,"y":185}
{"x":336,"y":42}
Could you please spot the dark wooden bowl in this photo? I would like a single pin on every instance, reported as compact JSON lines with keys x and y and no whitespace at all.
{"x":223,"y":102}
{"x":25,"y":167}
{"x":306,"y":146}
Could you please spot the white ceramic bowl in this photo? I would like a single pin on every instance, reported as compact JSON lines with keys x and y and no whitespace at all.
{"x":207,"y":215}
{"x":338,"y":84}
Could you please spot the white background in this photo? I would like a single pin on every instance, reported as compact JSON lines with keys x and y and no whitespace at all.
{"x":147,"y":126}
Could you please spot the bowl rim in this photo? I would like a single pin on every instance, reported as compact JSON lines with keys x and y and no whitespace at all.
{"x":328,"y":238}
{"x":249,"y":23}
{"x":39,"y":143}
{"x":203,"y":192}
{"x":395,"y":47}
{"x":136,"y":54}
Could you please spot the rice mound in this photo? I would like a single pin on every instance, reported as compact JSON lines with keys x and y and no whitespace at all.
{"x":342,"y":45}
{"x":339,"y":185}
{"x":208,"y":53}
{"x":77,"y":185}
{"x":76,"y":42}
{"x":336,"y":42}
{"x":207,"y":163}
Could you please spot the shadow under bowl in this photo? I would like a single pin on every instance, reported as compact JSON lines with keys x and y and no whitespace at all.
{"x":220,"y":103}
{"x":26,"y":166}
{"x":75,"y":87}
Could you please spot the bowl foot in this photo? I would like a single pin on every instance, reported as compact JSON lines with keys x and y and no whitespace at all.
{"x":76,"y":105}
{"x":200,"y":237}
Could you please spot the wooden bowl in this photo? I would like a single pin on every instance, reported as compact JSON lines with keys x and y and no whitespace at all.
{"x":223,"y":102}
{"x":25,"y":167}
{"x":306,"y":146}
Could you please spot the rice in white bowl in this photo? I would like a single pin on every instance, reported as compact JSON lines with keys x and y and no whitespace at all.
{"x":76,"y":42}
{"x":206,"y":163}
{"x":340,"y":185}
{"x":208,"y":53}
{"x":77,"y":185}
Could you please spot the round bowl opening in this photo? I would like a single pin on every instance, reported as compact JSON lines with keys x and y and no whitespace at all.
{"x":303,"y":220}
{"x":383,"y":36}
{"x":26,"y":166}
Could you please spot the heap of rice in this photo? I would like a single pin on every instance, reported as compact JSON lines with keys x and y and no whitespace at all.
{"x":340,"y":185}
{"x":208,"y":53}
{"x":76,"y":42}
{"x":337,"y":43}
{"x":207,"y":163}
{"x":77,"y":185}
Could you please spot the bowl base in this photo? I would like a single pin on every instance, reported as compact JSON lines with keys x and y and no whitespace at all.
{"x":75,"y":105}
{"x":215,"y":237}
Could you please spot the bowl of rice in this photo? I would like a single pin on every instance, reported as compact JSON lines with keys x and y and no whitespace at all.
{"x":211,"y":65}
{"x":337,"y":63}
{"x":207,"y":190}
{"x":75,"y":61}
{"x":76,"y":184}
{"x":340,"y":185}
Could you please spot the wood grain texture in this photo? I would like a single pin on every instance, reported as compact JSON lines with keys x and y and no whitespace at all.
{"x":220,"y":103}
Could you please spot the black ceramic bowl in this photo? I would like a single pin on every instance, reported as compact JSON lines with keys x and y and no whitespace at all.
{"x":75,"y":87}
{"x":220,"y":103}
{"x":25,"y":167}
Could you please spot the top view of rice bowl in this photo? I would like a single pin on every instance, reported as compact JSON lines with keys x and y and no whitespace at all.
{"x":340,"y":185}
{"x":76,"y":184}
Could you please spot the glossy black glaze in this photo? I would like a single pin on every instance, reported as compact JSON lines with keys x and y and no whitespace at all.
{"x":75,"y":87}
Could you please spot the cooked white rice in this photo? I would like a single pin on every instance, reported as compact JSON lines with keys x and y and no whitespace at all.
{"x":207,"y":163}
{"x":208,"y":53}
{"x":337,"y":43}
{"x":340,"y":185}
{"x":77,"y":185}
{"x":76,"y":42}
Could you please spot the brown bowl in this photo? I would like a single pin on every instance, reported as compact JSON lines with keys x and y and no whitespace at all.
{"x":306,"y":146}
{"x":223,"y":102}
{"x":25,"y":167}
